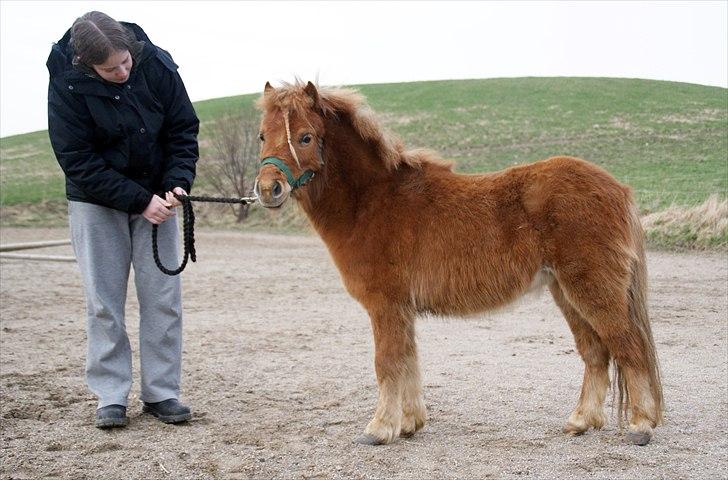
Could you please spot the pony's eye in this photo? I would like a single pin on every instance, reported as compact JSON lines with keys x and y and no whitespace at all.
{"x":306,"y":139}
{"x":261,"y":137}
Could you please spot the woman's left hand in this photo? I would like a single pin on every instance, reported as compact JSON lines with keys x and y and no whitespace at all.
{"x":169,"y":196}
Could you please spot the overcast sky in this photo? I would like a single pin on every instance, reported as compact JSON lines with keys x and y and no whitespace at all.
{"x":232,"y":48}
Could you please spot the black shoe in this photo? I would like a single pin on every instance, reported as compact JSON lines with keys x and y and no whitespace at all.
{"x":111,"y":416}
{"x":168,"y":411}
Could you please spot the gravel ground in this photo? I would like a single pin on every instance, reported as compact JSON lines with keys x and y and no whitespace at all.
{"x":278,"y":367}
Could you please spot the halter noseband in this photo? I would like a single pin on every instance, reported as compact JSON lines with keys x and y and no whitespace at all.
{"x":292,"y":181}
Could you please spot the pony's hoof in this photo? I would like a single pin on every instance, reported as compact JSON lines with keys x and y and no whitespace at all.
{"x":368,"y":440}
{"x":639,"y":438}
{"x":575,"y":430}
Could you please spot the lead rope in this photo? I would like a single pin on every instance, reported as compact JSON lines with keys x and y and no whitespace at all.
{"x":188,"y":216}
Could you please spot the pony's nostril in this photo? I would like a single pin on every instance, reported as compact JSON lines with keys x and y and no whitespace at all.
{"x":277,"y":189}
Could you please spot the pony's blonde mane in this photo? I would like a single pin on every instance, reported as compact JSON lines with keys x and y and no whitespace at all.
{"x":348,"y":103}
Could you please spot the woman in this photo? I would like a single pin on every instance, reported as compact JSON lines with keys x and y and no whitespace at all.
{"x":125,"y":134}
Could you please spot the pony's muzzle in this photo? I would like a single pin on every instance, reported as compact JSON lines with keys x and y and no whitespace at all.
{"x":271,"y":193}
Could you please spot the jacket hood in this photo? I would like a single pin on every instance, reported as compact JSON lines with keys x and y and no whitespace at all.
{"x":60,"y":60}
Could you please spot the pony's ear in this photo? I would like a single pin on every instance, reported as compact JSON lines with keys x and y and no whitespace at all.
{"x":268,"y":88}
{"x":313,"y":93}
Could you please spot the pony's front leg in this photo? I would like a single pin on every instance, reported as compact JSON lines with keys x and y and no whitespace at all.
{"x":414,"y":413}
{"x":395,"y":354}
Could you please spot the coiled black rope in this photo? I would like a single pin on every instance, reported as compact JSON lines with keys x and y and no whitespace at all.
{"x":188,"y":216}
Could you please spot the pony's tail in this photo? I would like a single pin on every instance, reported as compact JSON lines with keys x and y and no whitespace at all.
{"x":640,"y":319}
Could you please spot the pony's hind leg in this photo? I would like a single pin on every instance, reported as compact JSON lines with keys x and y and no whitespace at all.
{"x":589,"y":411}
{"x":395,"y":362}
{"x":610,"y":301}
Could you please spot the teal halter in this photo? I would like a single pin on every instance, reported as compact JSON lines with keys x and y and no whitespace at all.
{"x":281,"y":165}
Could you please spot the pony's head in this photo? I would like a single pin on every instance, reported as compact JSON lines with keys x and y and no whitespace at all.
{"x":293,"y":134}
{"x":291,"y":141}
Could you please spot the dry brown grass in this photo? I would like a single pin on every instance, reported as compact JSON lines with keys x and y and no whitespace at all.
{"x":700,"y":227}
{"x":42,"y":214}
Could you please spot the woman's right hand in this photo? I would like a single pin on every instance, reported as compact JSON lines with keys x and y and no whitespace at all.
{"x":158,"y":210}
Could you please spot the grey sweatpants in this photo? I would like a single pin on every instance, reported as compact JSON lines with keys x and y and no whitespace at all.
{"x":107,"y":242}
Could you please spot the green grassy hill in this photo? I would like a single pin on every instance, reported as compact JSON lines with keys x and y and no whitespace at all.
{"x":669,"y":141}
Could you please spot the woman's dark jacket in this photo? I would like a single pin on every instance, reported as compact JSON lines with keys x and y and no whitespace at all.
{"x":120,"y":143}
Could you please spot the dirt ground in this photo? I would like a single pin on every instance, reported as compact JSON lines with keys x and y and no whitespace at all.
{"x":278,"y":368}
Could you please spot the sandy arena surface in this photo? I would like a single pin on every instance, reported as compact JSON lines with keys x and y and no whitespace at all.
{"x":278,"y":367}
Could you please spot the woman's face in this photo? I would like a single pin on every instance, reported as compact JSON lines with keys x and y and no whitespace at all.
{"x":116,"y":68}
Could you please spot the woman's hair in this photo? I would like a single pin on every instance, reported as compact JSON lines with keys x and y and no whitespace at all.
{"x":95,"y":36}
